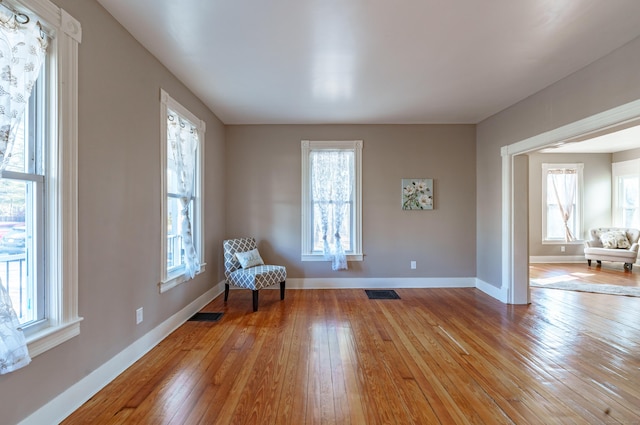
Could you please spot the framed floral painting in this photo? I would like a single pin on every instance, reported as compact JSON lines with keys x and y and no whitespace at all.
{"x":417,"y":194}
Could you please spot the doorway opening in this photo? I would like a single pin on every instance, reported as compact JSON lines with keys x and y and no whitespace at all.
{"x":515,"y":189}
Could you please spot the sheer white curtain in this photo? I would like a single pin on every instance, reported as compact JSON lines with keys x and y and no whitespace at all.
{"x":331,"y":183}
{"x":564,"y":182}
{"x":183,"y":144}
{"x":22,"y":51}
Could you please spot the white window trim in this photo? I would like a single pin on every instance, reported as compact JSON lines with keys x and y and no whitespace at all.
{"x":621,"y":169}
{"x":168,"y":281}
{"x":307,"y":147}
{"x":63,"y":322}
{"x":579,"y":204}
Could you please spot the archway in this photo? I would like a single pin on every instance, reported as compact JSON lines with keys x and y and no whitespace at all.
{"x":515,"y":250}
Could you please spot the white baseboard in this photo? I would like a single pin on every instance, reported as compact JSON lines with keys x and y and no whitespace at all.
{"x":66,"y":403}
{"x":498,"y":293}
{"x":386,"y":282}
{"x":557,"y":259}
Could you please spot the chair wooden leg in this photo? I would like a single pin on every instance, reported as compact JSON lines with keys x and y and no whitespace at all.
{"x":599,"y":262}
{"x":226,"y":292}
{"x":255,"y":300}
{"x":589,"y":262}
{"x":282,"y":290}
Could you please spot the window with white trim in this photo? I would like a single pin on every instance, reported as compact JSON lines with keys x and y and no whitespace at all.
{"x":328,"y":213}
{"x":182,"y":209}
{"x":562,"y":202}
{"x":38,"y":191}
{"x":626,"y":193}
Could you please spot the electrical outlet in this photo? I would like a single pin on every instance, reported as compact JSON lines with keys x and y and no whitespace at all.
{"x":139,"y":316}
{"x":562,"y":248}
{"x":413,"y":265}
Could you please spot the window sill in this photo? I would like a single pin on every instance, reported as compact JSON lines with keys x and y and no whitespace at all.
{"x":177,"y":280}
{"x":52,"y":336}
{"x":320,"y":257}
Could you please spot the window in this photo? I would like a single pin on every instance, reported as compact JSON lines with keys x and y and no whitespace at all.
{"x":182,"y":176}
{"x":38,"y":191}
{"x":561,"y":202}
{"x":331,"y":198}
{"x":626,"y":193}
{"x":22,"y":194}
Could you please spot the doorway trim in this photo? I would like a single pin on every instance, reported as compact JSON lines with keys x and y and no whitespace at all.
{"x":515,"y":249}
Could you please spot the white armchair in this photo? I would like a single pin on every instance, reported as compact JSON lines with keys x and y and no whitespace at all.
{"x":612,"y":244}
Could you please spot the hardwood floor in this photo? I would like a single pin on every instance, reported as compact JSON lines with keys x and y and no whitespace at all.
{"x":609,"y":273}
{"x":436,"y":356}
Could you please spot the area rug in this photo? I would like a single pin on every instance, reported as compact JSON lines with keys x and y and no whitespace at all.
{"x":599,"y":288}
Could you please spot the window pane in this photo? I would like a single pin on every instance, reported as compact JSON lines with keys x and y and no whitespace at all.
{"x":331,"y":197}
{"x":565,"y":187}
{"x":555,"y":224}
{"x":175,"y":248}
{"x":17,"y":160}
{"x":318,"y":231}
{"x":174,"y":238}
{"x":172,"y":179}
{"x":628,"y":199}
{"x":17,"y":250}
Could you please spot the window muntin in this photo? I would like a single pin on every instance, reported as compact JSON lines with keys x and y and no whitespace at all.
{"x":350,"y":230}
{"x":560,"y":183}
{"x":173,"y":259}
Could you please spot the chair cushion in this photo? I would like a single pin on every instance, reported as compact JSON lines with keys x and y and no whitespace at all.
{"x":615,"y":239}
{"x":607,"y":254}
{"x":257,"y":277}
{"x":231,"y":247}
{"x":249,"y":258}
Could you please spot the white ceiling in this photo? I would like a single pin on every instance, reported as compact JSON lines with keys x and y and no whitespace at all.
{"x":373,"y":61}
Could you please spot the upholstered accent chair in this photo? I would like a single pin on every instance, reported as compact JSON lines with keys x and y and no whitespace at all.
{"x":244,"y":268}
{"x":612,"y":244}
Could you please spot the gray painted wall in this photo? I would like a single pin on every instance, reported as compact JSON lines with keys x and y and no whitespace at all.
{"x":119,"y":209}
{"x":626,"y":155}
{"x":596,"y":198}
{"x":611,"y":81}
{"x":264,"y":195}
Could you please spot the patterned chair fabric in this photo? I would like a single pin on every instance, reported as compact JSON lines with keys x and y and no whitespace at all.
{"x":254,"y":278}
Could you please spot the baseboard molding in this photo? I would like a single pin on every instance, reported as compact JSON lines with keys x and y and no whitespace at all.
{"x":498,"y":293}
{"x":66,"y":403}
{"x":386,"y":282}
{"x":557,"y":259}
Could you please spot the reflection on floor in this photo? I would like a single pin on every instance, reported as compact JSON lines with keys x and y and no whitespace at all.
{"x":608,"y":273}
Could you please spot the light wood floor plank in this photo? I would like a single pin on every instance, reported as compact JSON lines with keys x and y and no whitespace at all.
{"x":436,"y":356}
